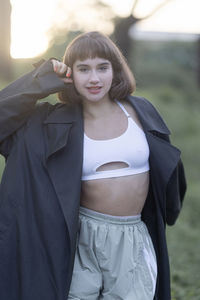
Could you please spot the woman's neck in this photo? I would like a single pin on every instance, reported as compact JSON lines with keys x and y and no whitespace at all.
{"x":96,"y":110}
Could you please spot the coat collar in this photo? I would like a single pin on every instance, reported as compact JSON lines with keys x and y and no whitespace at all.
{"x":62,"y":114}
{"x":149,"y":117}
{"x":61,"y":117}
{"x":58,"y":123}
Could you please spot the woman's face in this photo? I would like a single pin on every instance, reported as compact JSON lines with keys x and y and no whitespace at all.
{"x":93,"y":78}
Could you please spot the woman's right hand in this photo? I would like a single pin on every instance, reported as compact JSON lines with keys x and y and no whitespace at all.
{"x":62,"y":70}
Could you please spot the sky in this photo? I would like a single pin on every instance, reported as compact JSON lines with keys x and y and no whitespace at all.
{"x":34,"y":22}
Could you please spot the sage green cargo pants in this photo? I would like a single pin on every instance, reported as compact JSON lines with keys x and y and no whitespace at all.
{"x":115,"y":259}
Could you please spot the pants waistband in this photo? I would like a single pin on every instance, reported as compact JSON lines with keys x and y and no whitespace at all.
{"x":129,"y":220}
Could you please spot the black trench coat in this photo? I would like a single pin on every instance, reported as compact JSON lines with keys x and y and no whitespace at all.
{"x":41,"y":185}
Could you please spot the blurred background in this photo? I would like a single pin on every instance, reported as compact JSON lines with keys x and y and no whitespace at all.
{"x":161,"y":41}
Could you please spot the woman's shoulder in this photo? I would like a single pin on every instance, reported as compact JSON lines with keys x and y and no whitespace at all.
{"x":46,"y":112}
{"x":142,"y":102}
{"x":141,"y":106}
{"x":41,"y":111}
{"x":148,"y":113}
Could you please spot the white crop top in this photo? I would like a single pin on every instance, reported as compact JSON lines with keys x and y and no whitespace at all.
{"x":130,"y":148}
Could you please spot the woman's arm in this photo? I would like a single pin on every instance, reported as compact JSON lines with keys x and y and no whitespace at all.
{"x":17,"y":101}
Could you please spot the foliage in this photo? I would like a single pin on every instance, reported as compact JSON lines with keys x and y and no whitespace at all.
{"x":166,"y":74}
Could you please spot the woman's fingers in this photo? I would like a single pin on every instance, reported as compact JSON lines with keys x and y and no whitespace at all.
{"x":67,"y":80}
{"x":69,"y":72}
{"x":55,"y":65}
{"x":59,"y":67}
{"x":62,"y":70}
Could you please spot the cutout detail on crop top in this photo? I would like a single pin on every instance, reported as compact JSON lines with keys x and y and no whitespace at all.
{"x":131,"y":148}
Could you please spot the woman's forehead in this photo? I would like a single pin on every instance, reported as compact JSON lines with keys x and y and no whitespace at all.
{"x":92,"y":61}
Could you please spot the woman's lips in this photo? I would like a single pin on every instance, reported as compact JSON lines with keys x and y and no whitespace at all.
{"x":94,"y":89}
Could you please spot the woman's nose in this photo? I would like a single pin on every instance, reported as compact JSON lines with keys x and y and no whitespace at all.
{"x":94,"y":77}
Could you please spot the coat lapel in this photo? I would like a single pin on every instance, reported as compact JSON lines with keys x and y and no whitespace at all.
{"x":164,"y":157}
{"x":64,"y":152}
{"x":57,"y":125}
{"x":148,"y":115}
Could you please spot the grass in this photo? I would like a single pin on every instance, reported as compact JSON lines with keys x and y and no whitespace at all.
{"x":184,"y":249}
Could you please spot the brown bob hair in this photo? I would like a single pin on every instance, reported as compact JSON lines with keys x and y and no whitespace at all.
{"x":95,"y":44}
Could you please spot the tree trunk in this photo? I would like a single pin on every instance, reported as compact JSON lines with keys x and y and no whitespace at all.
{"x":5,"y":37}
{"x":121,"y":34}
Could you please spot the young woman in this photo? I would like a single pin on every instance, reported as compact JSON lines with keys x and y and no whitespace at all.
{"x":89,"y":183}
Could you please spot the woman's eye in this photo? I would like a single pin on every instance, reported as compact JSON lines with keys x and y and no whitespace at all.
{"x":83,"y":70}
{"x":103,"y":68}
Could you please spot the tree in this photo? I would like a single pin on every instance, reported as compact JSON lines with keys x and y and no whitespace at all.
{"x":122,"y":26}
{"x":5,"y":36}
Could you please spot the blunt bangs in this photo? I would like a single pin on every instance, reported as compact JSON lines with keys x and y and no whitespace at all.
{"x":90,"y":45}
{"x":95,"y":44}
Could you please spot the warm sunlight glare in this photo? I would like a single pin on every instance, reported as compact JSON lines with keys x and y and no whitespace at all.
{"x":30,"y":23}
{"x":34,"y":22}
{"x":175,"y":16}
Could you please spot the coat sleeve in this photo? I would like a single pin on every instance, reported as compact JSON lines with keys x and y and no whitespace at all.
{"x":175,"y":194}
{"x":18,"y":100}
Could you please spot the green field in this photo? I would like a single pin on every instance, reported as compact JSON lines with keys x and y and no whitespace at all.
{"x":166,"y":75}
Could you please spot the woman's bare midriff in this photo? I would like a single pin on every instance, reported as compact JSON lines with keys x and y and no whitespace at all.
{"x":120,"y":196}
